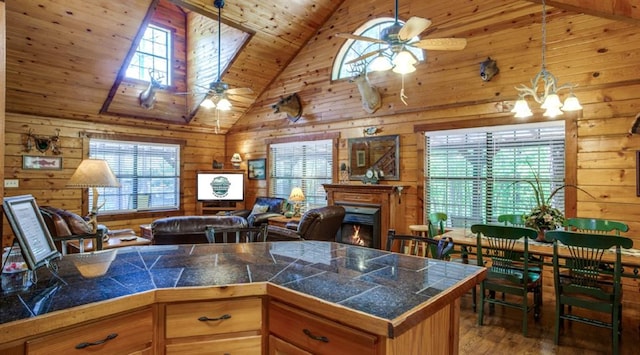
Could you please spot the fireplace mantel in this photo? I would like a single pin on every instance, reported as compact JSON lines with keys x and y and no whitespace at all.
{"x":389,"y":198}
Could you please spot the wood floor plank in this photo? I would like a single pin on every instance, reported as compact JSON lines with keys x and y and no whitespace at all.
{"x":502,"y":333}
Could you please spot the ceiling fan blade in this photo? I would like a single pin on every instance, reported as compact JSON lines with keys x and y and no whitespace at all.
{"x":441,"y":44}
{"x":413,"y":27}
{"x":365,"y":56}
{"x":359,"y":38}
{"x":239,"y":98}
{"x":239,"y":91}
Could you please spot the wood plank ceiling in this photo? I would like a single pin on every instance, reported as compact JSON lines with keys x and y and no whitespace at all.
{"x":64,"y":56}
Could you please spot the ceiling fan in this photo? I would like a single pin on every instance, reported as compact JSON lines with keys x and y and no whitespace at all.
{"x":397,"y":37}
{"x":218,"y":93}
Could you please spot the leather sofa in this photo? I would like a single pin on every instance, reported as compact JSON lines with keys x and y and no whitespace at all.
{"x":320,"y":223}
{"x":263,"y":209}
{"x":190,"y":229}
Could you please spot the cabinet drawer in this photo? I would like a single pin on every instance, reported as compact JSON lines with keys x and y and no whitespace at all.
{"x":278,"y":346}
{"x":133,"y":332}
{"x":236,"y":346}
{"x":227,"y":316}
{"x":316,"y":334}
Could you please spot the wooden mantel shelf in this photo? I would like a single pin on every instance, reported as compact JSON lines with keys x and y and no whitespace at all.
{"x":387,"y":197}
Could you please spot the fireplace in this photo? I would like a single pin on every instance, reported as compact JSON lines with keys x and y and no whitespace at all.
{"x":360,"y":226}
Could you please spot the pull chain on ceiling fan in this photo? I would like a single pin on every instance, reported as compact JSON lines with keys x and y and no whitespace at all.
{"x":218,"y":92}
{"x":394,"y":42}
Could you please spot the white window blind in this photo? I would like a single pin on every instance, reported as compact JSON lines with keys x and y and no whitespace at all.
{"x":472,"y":175}
{"x":149,"y":175}
{"x":307,"y":165}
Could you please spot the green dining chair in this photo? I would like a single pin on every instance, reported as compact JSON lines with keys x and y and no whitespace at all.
{"x":595,"y":226}
{"x":419,"y":246}
{"x":583,"y":279}
{"x":498,"y":249}
{"x":517,"y":220}
{"x":437,"y":221}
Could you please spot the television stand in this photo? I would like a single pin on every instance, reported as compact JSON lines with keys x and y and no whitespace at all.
{"x":214,"y":207}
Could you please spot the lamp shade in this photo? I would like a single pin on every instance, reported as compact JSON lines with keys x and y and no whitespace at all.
{"x":296,"y":195}
{"x":207,"y":103}
{"x":93,"y":173}
{"x":224,"y":104}
{"x":571,"y":103}
{"x":380,"y":63}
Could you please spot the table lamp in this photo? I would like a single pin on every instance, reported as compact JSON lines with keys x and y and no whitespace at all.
{"x":236,"y":160}
{"x":296,"y":197}
{"x":93,"y":173}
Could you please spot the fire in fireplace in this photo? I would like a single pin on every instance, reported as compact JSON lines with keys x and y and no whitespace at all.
{"x":360,"y":226}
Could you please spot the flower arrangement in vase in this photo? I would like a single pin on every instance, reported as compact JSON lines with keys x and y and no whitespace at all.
{"x":544,"y":216}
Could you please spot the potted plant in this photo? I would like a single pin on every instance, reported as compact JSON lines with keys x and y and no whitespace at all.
{"x":544,"y":216}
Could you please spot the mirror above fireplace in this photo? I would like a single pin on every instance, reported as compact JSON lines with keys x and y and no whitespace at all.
{"x":381,"y":153}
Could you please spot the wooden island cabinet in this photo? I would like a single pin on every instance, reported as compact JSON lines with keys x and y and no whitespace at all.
{"x":251,"y":300}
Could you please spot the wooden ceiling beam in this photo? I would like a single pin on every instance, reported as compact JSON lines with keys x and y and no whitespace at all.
{"x":621,"y":10}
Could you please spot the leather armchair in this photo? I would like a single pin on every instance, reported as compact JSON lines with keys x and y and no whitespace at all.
{"x":316,"y":224}
{"x":65,"y":225}
{"x":275,"y":206}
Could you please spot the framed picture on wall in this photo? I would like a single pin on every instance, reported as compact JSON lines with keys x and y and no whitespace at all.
{"x":41,"y":163}
{"x":257,"y":169}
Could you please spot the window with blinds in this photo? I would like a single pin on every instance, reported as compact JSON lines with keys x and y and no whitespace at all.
{"x":307,"y":165}
{"x":478,"y":174}
{"x":149,"y":175}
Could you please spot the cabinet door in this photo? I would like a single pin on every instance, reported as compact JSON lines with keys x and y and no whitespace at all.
{"x":126,"y":334}
{"x":236,"y":346}
{"x":278,"y":346}
{"x":316,"y":334}
{"x":213,"y":317}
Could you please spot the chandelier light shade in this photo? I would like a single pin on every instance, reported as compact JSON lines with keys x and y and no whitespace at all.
{"x":93,"y":173}
{"x":380,"y":63}
{"x":207,"y":103}
{"x":224,"y":104}
{"x":548,"y":97}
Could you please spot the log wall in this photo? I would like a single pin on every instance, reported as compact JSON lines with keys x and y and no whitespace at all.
{"x":599,"y":55}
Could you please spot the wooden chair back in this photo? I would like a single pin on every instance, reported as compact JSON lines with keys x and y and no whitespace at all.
{"x":517,"y":220}
{"x":420,"y":246}
{"x":595,"y":226}
{"x":237,"y":234}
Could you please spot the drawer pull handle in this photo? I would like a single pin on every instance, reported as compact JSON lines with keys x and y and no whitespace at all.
{"x":222,"y":317}
{"x":321,"y":338}
{"x":86,"y":344}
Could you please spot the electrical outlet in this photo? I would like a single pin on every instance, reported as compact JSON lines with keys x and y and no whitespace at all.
{"x":11,"y":183}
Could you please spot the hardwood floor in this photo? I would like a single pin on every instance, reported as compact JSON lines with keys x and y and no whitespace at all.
{"x":502,"y":333}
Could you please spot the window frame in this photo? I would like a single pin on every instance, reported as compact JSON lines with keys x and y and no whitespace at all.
{"x":319,"y":196}
{"x":344,"y":53}
{"x":571,"y":149}
{"x":106,"y":216}
{"x":167,"y":80}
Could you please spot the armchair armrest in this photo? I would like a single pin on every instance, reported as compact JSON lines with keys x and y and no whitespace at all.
{"x":241,"y":213}
{"x":260,"y":218}
{"x":275,"y":233}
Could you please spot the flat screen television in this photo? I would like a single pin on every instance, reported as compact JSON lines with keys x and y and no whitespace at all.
{"x":212,"y":186}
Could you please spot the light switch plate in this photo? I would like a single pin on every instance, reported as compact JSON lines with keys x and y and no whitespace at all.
{"x":11,"y":183}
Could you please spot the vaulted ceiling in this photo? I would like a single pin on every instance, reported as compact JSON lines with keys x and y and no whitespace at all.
{"x":65,"y":58}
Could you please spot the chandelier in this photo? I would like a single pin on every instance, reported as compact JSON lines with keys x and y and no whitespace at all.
{"x":548,"y":97}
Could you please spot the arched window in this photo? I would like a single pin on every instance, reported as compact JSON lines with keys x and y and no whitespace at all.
{"x":353,"y":49}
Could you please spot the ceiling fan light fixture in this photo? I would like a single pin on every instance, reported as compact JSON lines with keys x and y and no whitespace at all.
{"x":224,"y":104}
{"x":380,"y":63}
{"x":207,"y":103}
{"x":404,"y":58}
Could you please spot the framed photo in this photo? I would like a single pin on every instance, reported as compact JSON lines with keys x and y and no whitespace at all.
{"x":30,"y":230}
{"x":257,"y":169}
{"x":41,"y":163}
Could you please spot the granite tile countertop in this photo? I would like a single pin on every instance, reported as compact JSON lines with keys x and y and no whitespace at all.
{"x":376,"y":282}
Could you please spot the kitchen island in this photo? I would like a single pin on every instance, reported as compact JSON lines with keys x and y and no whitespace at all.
{"x":280,"y":297}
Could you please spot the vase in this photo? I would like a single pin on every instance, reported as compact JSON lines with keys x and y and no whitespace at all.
{"x":541,"y":237}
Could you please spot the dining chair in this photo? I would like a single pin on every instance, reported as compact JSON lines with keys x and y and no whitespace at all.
{"x":499,"y":249}
{"x":241,"y":234}
{"x":512,"y":219}
{"x":582,"y":280}
{"x":595,"y":226}
{"x":416,"y":245}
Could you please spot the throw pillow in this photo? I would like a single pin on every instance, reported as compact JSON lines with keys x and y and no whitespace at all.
{"x":259,"y":209}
